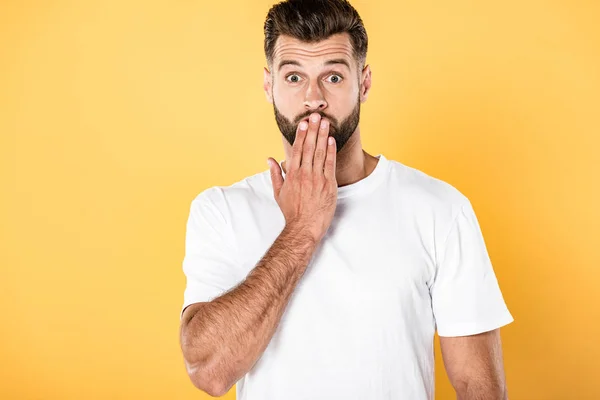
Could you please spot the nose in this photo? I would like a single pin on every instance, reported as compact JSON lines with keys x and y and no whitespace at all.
{"x":314,"y":100}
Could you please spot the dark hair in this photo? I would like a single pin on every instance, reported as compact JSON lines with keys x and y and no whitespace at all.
{"x":313,"y":21}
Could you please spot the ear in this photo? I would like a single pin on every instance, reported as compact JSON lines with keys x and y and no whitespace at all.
{"x":267,"y":85}
{"x":365,"y":86}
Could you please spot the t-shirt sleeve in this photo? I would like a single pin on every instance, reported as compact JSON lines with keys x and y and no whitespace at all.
{"x":209,"y":262}
{"x":466,"y":297}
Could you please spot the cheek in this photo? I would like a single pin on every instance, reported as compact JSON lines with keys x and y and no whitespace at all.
{"x":346,"y":94}
{"x":344,"y":101}
{"x":288,"y":101}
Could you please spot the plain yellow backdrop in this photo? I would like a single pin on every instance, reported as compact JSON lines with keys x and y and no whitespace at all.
{"x":114,"y":115}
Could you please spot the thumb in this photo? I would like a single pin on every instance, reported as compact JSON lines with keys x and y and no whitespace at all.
{"x":276,"y":177}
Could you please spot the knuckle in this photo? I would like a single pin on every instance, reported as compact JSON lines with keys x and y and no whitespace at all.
{"x":317,"y":181}
{"x":319,"y":153}
{"x":304,"y":173}
{"x":297,"y":151}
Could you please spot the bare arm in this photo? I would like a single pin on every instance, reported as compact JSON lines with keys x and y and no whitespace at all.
{"x":222,"y":340}
{"x":475,"y":367}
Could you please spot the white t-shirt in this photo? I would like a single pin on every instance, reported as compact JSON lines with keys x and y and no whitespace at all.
{"x":403,"y":256}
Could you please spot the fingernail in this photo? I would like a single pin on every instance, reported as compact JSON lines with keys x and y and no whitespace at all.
{"x":303,"y":125}
{"x":330,"y":140}
{"x":314,"y":117}
{"x":323,"y":123}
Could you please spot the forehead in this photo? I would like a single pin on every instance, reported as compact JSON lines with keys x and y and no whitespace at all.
{"x":337,"y":46}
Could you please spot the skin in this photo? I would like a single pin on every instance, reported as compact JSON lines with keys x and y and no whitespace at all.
{"x":474,"y":363}
{"x":317,"y":92}
{"x":221,"y":340}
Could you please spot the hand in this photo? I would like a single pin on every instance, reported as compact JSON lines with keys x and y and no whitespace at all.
{"x":308,"y":196}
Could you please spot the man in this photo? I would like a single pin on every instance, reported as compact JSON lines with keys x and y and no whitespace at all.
{"x":327,"y":276}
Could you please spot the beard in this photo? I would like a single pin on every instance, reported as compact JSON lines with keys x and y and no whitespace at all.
{"x":341,"y":132}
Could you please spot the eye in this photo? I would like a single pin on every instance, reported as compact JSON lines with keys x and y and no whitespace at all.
{"x":293,"y":78}
{"x":335,"y":78}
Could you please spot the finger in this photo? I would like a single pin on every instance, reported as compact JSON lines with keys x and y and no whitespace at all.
{"x":276,"y":177}
{"x":321,"y":149}
{"x":310,"y":143}
{"x":296,"y":158}
{"x":330,"y":161}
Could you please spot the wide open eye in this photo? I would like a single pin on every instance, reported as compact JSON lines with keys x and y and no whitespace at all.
{"x":334,"y":78}
{"x":293,"y":78}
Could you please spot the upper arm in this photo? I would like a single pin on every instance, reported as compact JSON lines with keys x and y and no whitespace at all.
{"x":469,"y":309}
{"x":210,"y":265}
{"x":465,"y":294}
{"x":475,"y":361}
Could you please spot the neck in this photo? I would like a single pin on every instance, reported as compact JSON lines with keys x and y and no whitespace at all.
{"x":352,"y":162}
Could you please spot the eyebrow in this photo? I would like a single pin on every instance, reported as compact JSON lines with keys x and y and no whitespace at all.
{"x":327,"y":63}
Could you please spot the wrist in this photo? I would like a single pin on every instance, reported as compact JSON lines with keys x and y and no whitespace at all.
{"x":301,"y":235}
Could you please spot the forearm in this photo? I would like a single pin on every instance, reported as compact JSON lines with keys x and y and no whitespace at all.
{"x":225,"y":338}
{"x":482,"y":391}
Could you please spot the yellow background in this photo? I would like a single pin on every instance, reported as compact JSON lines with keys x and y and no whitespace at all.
{"x":114,"y":115}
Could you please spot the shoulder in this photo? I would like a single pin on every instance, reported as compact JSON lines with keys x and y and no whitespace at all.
{"x":424,"y":190}
{"x":248,"y":190}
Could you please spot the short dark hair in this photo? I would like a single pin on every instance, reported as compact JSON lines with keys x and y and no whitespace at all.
{"x":315,"y":20}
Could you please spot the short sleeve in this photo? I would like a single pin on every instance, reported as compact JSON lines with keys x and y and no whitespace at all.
{"x":466,"y":297}
{"x":209,"y":262}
